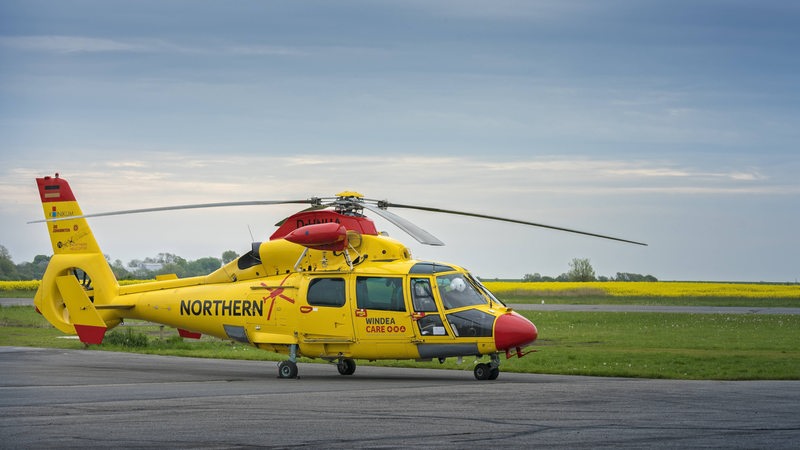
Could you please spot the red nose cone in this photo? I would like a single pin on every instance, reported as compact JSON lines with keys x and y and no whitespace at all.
{"x":512,"y":330}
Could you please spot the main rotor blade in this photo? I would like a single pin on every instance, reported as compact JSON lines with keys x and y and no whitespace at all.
{"x":414,"y":231}
{"x":503,"y":219}
{"x":180,"y":207}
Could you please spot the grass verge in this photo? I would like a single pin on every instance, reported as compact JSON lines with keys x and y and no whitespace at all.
{"x":643,"y":345}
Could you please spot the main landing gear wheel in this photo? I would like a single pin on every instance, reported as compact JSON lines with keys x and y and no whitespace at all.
{"x":287,"y":369}
{"x":485,"y":371}
{"x":346,"y":366}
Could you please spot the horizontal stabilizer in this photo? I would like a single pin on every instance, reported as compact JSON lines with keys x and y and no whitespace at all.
{"x":89,"y":325}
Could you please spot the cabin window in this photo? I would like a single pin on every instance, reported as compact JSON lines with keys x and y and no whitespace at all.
{"x":326,"y":292}
{"x":382,"y":293}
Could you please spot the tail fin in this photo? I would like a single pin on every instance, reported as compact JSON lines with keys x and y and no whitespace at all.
{"x":78,"y":280}
{"x":68,"y":236}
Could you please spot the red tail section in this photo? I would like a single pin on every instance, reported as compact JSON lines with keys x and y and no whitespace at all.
{"x":68,"y":236}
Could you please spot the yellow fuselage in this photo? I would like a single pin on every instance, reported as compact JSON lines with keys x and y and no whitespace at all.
{"x":281,"y":294}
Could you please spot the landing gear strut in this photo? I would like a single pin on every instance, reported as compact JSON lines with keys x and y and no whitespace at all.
{"x":288,"y":369}
{"x":491,"y":371}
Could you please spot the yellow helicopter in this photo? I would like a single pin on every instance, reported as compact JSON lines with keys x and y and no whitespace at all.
{"x":325,"y":285}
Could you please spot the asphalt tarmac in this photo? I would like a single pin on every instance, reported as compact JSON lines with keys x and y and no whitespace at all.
{"x":84,"y":398}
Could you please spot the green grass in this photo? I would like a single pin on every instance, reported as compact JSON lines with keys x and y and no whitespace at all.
{"x":644,"y":345}
{"x":18,"y":293}
{"x":656,"y":345}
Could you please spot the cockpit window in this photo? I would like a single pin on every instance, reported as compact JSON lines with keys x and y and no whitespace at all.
{"x":422,"y":296}
{"x":456,"y":292}
{"x":471,"y":323}
{"x":485,"y":290}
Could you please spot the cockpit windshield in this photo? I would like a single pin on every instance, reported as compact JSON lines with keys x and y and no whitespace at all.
{"x":485,"y":290}
{"x":457,"y":292}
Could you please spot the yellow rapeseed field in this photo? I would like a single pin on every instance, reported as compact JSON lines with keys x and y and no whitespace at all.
{"x":646,"y":289}
{"x":597,"y":288}
{"x":6,"y":286}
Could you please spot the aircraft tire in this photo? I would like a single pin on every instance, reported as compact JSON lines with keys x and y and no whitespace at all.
{"x":494,"y":373}
{"x":346,"y":366}
{"x":287,"y":369}
{"x":483,"y":371}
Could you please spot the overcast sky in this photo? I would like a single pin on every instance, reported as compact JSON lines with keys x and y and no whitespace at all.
{"x":675,"y":123}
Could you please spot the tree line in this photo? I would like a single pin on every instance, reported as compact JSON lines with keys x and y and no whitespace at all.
{"x":167,"y":263}
{"x":580,"y":269}
{"x":137,"y":269}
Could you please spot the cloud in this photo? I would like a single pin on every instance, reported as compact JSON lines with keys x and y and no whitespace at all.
{"x":676,"y":172}
{"x":266,"y":50}
{"x":69,"y":44}
{"x":84,"y":44}
{"x":172,"y":178}
{"x":641,"y":200}
{"x":514,"y":10}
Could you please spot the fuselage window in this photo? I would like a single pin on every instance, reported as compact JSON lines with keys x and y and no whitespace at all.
{"x":383,"y":293}
{"x":326,"y":292}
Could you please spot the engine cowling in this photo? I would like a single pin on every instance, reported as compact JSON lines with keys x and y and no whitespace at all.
{"x":323,"y":236}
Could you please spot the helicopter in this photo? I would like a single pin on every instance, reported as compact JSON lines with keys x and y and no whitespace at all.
{"x":325,"y":285}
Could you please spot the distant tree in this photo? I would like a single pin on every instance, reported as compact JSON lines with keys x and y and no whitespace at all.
{"x":138,"y":269}
{"x":120,"y":271}
{"x":167,"y":263}
{"x":229,"y":256}
{"x":203,"y":266}
{"x":532,"y":277}
{"x":169,"y":258}
{"x":32,"y":270}
{"x":8,"y":271}
{"x":580,"y":270}
{"x":626,"y":276}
